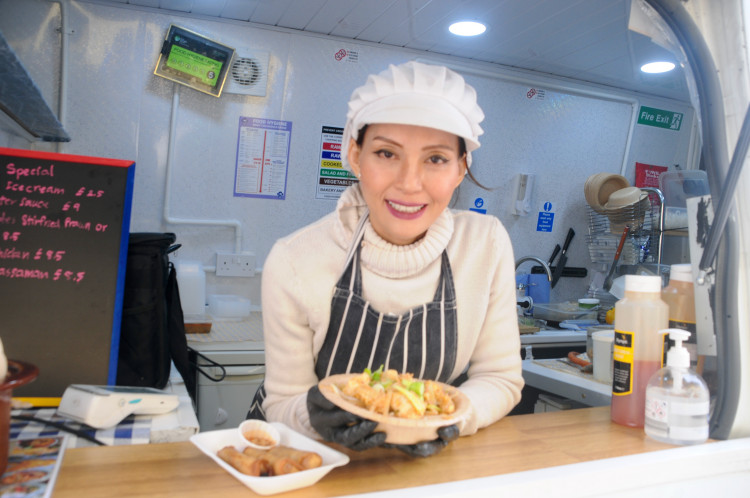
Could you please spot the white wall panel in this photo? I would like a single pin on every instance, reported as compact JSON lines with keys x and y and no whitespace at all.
{"x":118,"y":108}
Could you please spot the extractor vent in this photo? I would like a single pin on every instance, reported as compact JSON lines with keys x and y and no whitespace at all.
{"x":248,"y":73}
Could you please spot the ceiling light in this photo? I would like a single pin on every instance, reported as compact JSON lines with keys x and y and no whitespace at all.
{"x":657,"y":67}
{"x":467,"y":28}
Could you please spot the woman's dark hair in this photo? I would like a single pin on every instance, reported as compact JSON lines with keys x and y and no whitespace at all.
{"x":461,"y":151}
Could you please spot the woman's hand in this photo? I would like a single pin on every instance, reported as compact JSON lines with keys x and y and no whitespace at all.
{"x":428,"y":448}
{"x":339,"y":426}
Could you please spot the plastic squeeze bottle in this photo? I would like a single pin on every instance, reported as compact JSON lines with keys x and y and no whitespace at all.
{"x":680,"y":297}
{"x":640,"y":320}
{"x":677,"y":398}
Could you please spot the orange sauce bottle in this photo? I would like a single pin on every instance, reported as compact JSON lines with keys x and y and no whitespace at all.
{"x":680,"y":297}
{"x":640,"y":319}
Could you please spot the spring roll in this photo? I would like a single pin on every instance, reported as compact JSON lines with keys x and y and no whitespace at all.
{"x":307,"y":459}
{"x":278,"y":465}
{"x":244,"y":463}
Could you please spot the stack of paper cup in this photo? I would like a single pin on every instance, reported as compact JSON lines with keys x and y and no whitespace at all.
{"x":603,"y":355}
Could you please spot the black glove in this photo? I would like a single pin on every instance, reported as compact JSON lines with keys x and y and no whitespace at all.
{"x":339,"y":426}
{"x":428,"y":448}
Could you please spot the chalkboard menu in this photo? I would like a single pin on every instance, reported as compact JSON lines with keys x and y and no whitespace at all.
{"x":64,"y":225}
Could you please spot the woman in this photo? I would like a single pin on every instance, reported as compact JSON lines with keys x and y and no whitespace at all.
{"x":393,"y":276}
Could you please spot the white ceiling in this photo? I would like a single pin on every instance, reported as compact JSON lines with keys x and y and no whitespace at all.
{"x":586,"y":40}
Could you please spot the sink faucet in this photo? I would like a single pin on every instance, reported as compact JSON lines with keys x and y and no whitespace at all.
{"x":538,"y":260}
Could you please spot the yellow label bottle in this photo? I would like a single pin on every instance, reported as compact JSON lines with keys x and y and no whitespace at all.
{"x":640,"y":319}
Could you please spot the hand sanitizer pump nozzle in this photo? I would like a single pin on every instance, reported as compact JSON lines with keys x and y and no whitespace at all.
{"x":678,"y":356}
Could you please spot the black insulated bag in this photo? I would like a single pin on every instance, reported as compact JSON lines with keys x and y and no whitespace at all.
{"x":152,"y":333}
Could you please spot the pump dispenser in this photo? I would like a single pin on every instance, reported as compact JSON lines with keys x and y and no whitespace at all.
{"x":677,"y":398}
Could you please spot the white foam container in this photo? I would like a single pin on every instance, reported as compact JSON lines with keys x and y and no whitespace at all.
{"x":678,"y":186}
{"x":228,"y":306}
{"x":210,"y":442}
{"x":192,"y":282}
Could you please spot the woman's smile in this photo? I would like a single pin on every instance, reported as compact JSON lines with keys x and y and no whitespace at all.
{"x":405,"y":211}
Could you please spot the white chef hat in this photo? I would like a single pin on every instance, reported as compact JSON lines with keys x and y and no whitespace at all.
{"x":419,"y":94}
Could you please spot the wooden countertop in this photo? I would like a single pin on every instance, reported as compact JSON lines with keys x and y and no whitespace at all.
{"x":514,"y":444}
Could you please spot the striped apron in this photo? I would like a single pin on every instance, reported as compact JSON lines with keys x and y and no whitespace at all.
{"x":422,"y":341}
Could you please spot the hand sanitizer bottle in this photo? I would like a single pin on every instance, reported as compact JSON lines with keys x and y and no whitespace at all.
{"x":677,"y":398}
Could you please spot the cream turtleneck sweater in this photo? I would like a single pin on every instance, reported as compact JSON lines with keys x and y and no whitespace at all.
{"x":301,"y":272}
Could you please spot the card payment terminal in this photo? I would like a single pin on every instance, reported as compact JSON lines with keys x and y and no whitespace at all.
{"x":106,"y":406}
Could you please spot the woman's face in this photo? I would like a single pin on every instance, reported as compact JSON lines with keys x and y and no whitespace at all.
{"x":407,"y":175}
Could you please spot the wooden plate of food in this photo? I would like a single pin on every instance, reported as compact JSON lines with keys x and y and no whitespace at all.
{"x":399,"y":415}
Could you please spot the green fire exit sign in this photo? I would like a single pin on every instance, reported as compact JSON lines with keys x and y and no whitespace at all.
{"x":660,"y":118}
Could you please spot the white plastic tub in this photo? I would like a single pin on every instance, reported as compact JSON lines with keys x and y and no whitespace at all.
{"x":228,"y":306}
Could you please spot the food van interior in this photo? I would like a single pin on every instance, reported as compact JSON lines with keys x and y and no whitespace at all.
{"x":552,"y":59}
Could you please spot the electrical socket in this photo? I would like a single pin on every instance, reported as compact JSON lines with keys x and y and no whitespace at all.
{"x":235,"y":265}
